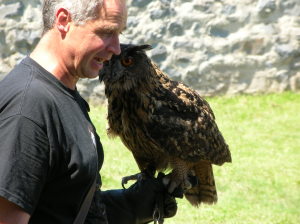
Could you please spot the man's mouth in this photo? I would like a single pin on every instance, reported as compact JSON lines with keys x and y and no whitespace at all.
{"x":99,"y":60}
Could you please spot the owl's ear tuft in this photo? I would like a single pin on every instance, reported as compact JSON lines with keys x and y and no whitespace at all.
{"x":140,"y":48}
{"x":135,"y":48}
{"x":145,"y":47}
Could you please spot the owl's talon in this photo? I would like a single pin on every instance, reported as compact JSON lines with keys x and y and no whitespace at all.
{"x":124,"y":181}
{"x":187,"y":185}
{"x":137,"y":177}
{"x":193,"y":180}
{"x":172,"y":186}
{"x":166,"y":180}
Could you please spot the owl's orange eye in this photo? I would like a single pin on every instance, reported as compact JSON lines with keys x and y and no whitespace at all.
{"x":127,"y":61}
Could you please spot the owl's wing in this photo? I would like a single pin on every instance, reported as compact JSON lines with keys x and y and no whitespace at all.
{"x":183,"y":124}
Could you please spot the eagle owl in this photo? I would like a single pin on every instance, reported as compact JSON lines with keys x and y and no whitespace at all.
{"x":164,"y":123}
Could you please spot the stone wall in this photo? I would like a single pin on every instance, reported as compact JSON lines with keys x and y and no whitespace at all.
{"x":215,"y":46}
{"x":20,"y":29}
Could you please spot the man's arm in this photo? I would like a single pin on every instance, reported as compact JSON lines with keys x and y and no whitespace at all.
{"x":11,"y":213}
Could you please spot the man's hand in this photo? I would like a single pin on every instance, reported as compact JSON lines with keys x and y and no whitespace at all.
{"x":142,"y":202}
{"x":150,"y":199}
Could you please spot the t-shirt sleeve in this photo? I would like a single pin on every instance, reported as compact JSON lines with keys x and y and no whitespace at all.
{"x":24,"y":161}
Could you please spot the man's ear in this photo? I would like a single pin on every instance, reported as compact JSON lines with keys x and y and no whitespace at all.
{"x":63,"y":19}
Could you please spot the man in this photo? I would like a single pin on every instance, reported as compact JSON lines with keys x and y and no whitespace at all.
{"x":50,"y":152}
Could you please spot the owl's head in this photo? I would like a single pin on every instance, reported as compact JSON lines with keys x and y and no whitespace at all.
{"x":127,"y":70}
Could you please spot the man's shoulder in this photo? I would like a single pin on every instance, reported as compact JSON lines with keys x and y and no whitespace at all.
{"x":22,"y":92}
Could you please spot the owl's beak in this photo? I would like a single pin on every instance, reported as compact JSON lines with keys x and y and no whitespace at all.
{"x":100,"y":77}
{"x":102,"y":71}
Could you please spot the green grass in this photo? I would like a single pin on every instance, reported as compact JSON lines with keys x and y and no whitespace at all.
{"x":261,"y":185}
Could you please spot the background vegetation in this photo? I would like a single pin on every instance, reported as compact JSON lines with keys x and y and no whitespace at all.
{"x":261,"y":185}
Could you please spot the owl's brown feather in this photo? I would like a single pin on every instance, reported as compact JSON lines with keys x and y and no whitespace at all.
{"x":164,"y":123}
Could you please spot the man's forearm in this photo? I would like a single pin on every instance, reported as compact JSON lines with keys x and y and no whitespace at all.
{"x":10,"y":213}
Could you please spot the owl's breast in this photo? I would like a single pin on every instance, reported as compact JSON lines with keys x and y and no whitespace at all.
{"x":128,"y":119}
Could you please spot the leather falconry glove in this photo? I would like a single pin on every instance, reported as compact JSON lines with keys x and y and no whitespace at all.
{"x":145,"y":201}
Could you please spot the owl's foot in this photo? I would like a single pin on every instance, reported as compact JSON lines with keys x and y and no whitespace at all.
{"x":173,"y":184}
{"x":177,"y":186}
{"x":146,"y":173}
{"x":184,"y":185}
{"x":137,"y":176}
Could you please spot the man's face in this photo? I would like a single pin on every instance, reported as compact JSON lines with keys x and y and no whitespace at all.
{"x":91,"y":44}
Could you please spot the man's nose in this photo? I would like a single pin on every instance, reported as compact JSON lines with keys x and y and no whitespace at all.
{"x":114,"y":46}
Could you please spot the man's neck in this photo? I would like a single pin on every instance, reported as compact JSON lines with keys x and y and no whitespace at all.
{"x":50,"y":57}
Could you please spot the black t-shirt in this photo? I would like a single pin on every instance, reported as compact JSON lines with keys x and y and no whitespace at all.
{"x":49,"y":149}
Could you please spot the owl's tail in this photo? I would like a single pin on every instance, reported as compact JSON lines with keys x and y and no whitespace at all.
{"x":205,"y":191}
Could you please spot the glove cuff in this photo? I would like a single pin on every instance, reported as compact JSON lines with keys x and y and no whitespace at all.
{"x":118,"y":208}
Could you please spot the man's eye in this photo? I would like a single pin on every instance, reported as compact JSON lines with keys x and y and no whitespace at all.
{"x":104,"y":33}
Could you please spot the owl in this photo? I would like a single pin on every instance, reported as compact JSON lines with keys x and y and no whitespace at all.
{"x":164,"y":123}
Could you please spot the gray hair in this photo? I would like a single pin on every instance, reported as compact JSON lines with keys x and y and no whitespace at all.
{"x":80,"y":10}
